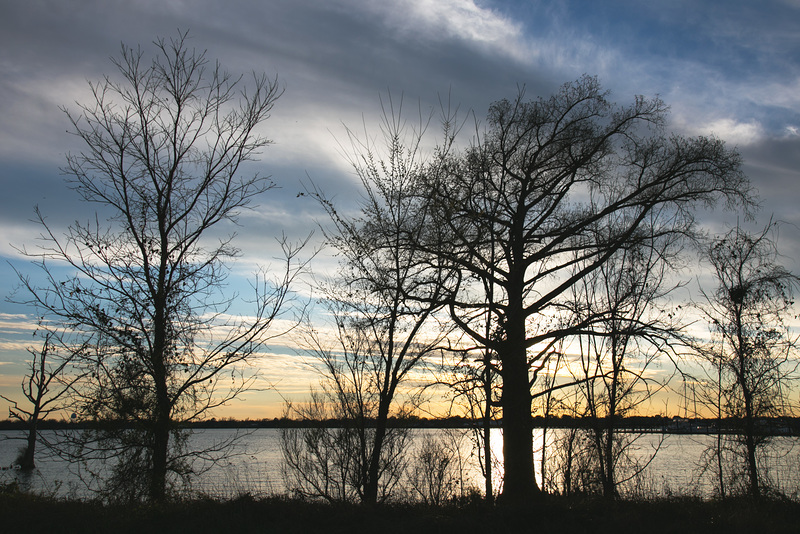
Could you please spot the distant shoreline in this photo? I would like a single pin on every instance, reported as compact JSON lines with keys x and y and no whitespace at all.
{"x":645,"y":424}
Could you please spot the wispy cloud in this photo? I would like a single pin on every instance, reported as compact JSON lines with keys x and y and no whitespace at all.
{"x":17,"y":323}
{"x":437,"y":20}
{"x":728,"y":129}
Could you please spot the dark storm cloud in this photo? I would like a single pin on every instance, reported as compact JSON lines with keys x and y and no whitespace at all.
{"x":774,"y":167}
{"x":333,"y":58}
{"x":726,"y":68}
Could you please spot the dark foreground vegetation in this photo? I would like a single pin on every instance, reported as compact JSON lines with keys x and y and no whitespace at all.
{"x":26,"y":513}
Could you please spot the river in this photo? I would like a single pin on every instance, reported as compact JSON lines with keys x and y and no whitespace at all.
{"x":255,"y":464}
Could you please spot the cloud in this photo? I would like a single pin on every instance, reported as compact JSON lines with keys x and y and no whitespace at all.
{"x":732,"y":131}
{"x":17,"y":323}
{"x":31,"y":104}
{"x":439,"y":20}
{"x":17,"y":235}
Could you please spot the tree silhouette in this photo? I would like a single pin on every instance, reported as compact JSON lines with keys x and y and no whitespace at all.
{"x":163,"y":148}
{"x":626,"y":330}
{"x":516,"y":212}
{"x":752,"y":352}
{"x":383,"y":301}
{"x":46,"y":387}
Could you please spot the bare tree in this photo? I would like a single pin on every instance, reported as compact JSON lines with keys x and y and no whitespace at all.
{"x":435,"y":472}
{"x":753,"y":354}
{"x":327,"y":457}
{"x":718,"y":459}
{"x":384,"y":300}
{"x":602,"y":373}
{"x":518,"y":208}
{"x":163,"y":149}
{"x":46,"y":387}
{"x":622,"y":305}
{"x":472,"y":382}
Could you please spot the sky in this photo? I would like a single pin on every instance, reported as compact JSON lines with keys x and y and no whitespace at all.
{"x":729,"y":68}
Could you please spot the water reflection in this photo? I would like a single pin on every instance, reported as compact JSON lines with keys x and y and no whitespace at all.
{"x":256,"y":462}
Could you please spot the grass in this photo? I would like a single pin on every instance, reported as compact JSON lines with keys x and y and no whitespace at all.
{"x":22,"y":512}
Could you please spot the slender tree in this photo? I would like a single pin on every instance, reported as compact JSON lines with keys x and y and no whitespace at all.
{"x":518,"y":208}
{"x":621,"y":303}
{"x":472,"y":385}
{"x":46,"y":387}
{"x":752,"y":351}
{"x":164,"y":144}
{"x":385,"y":298}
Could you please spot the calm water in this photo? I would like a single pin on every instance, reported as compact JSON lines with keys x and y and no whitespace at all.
{"x":256,"y":462}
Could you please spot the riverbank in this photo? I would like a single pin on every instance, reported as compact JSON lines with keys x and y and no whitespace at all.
{"x":770,"y":426}
{"x":26,"y":513}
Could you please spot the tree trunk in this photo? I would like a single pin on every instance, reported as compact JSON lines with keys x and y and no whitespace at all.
{"x":487,"y":431}
{"x":371,"y":485}
{"x":720,"y":472}
{"x":750,"y":444}
{"x":158,"y":477}
{"x":519,"y":483}
{"x":609,"y":478}
{"x":161,"y":426}
{"x":749,"y":413}
{"x":26,"y":461}
{"x":568,"y":460}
